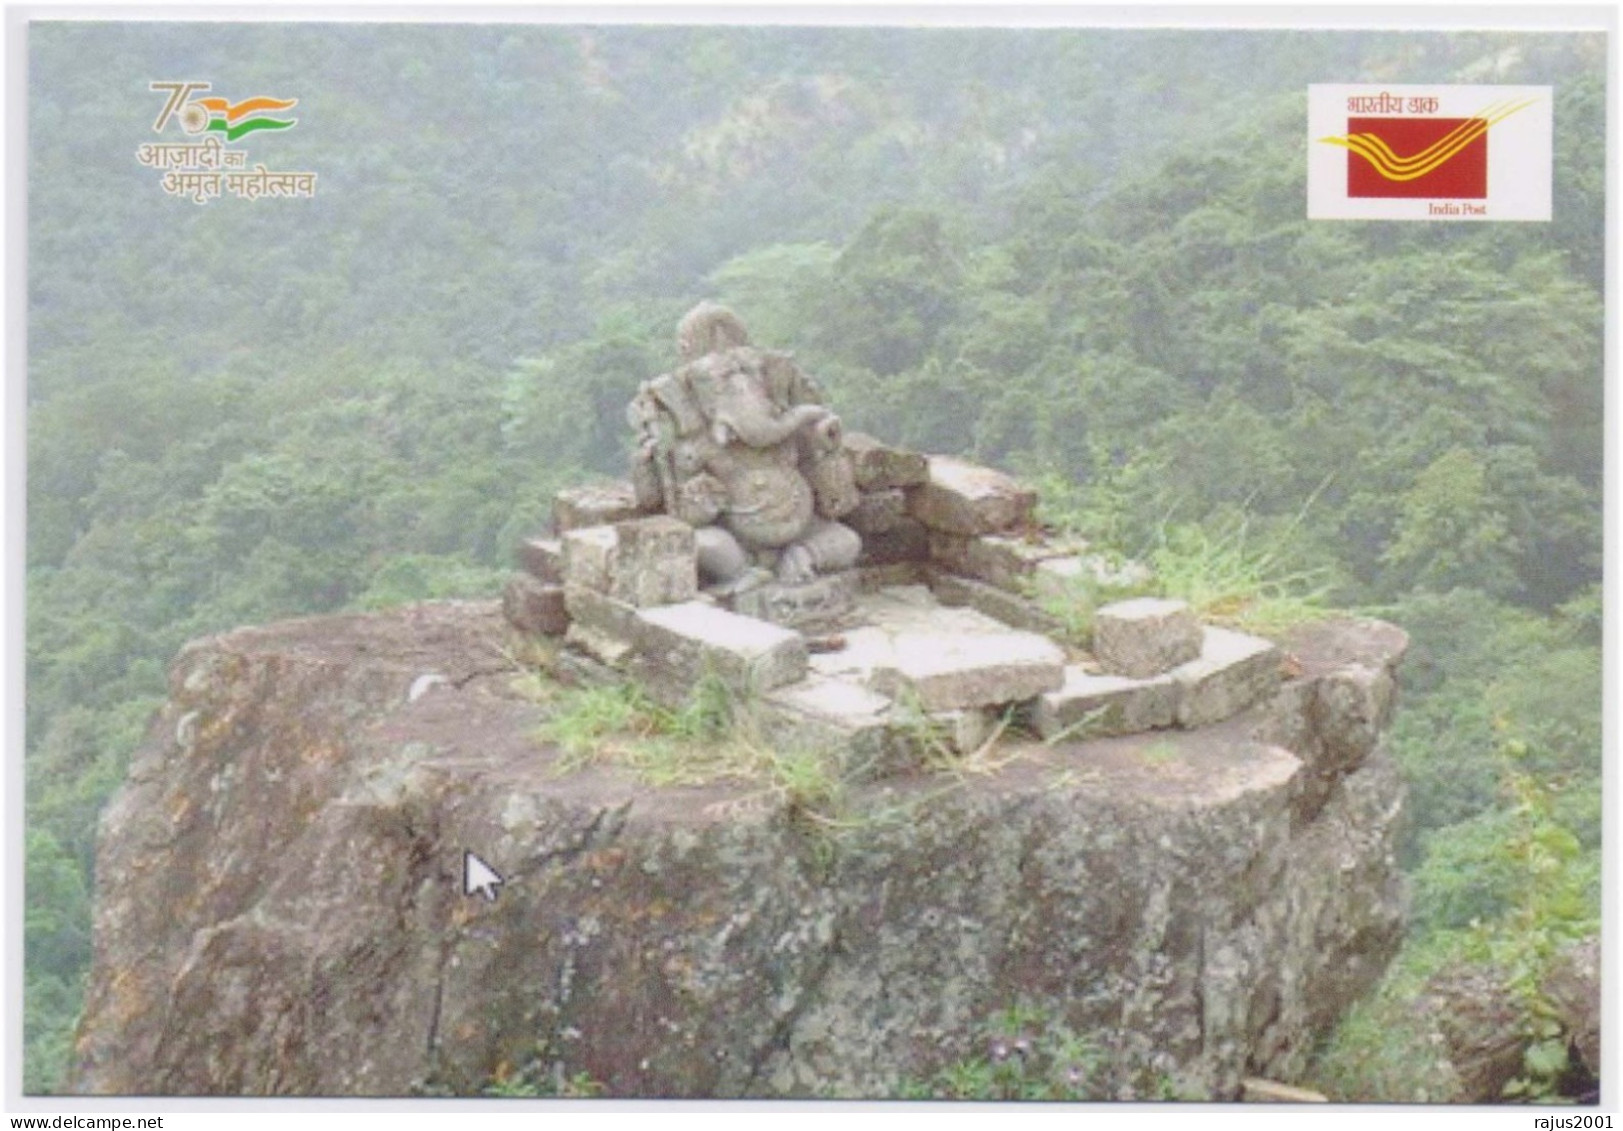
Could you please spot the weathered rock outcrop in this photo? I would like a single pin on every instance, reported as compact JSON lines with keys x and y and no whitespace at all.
{"x":1484,"y":1026}
{"x":280,"y":906}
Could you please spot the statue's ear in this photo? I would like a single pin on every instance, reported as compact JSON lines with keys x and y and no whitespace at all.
{"x":721,"y":433}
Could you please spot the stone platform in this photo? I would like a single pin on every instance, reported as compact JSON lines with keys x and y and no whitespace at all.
{"x":911,"y":677}
{"x":957,"y":623}
{"x":280,"y":906}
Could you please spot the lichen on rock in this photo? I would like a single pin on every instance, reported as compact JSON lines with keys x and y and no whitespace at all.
{"x":279,"y":905}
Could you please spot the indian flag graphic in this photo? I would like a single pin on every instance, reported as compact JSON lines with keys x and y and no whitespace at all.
{"x":236,"y":119}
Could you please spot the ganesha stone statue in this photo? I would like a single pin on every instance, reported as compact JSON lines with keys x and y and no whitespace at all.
{"x":737,"y":443}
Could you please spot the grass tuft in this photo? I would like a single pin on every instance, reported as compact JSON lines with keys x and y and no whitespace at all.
{"x":1230,"y":579}
{"x":713,"y":736}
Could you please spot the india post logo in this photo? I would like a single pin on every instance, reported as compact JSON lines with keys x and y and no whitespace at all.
{"x":1429,"y":152}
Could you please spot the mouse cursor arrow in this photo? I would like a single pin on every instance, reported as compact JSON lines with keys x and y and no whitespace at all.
{"x":477,"y":876}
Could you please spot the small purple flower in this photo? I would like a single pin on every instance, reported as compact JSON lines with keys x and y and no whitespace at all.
{"x":1074,"y":1077}
{"x":1000,"y":1052}
{"x":1022,"y":1046}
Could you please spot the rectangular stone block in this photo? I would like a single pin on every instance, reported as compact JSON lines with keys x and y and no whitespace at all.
{"x":907,"y":541}
{"x":1012,"y":610}
{"x":1097,"y":706}
{"x":657,"y":564}
{"x":695,"y":639}
{"x":533,"y":607}
{"x":946,"y":671}
{"x":878,"y":511}
{"x":603,"y":615}
{"x":1006,"y":562}
{"x":593,"y":505}
{"x":841,"y":716}
{"x":588,"y":557}
{"x":966,"y":498}
{"x":1233,"y":672}
{"x":643,"y":562}
{"x":819,"y":603}
{"x":542,"y":559}
{"x":966,"y":730}
{"x":879,"y":466}
{"x":1145,"y":637}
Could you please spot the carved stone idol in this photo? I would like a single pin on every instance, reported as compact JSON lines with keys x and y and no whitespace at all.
{"x":738,"y":444}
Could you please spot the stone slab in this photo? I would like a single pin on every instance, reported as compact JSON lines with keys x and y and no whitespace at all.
{"x":643,"y":562}
{"x":879,"y":466}
{"x":542,"y":559}
{"x":820,"y":603}
{"x":1098,"y":706}
{"x":1012,"y":610}
{"x":1006,"y":562}
{"x":864,"y":727}
{"x":1145,"y":637}
{"x":877,"y":511}
{"x":588,"y":557}
{"x":840,"y":715}
{"x":965,"y":498}
{"x":657,"y":562}
{"x":593,"y":505}
{"x":884,"y":619}
{"x":534,"y":607}
{"x":695,"y":639}
{"x":945,"y":671}
{"x":601,"y":614}
{"x":966,"y":730}
{"x":1233,"y":672}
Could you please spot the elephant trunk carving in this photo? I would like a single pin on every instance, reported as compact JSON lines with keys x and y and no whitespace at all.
{"x":751,"y":418}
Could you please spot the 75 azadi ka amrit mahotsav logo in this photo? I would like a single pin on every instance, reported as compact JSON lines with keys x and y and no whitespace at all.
{"x":210,"y":168}
{"x":233,"y":119}
{"x":1429,"y":153}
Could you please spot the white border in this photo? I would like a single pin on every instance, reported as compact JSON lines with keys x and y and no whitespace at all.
{"x":190,"y":1112}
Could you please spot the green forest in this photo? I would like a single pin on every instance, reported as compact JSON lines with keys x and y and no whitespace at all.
{"x":1081,"y":255}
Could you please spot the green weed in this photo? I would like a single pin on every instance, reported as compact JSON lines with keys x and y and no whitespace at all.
{"x":715,"y":735}
{"x":1027,"y":1057}
{"x":1551,"y":909}
{"x":1073,"y":601}
{"x":1385,"y":1050}
{"x":1232,"y":579}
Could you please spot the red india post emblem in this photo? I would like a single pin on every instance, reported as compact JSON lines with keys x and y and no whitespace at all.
{"x":1401,"y":158}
